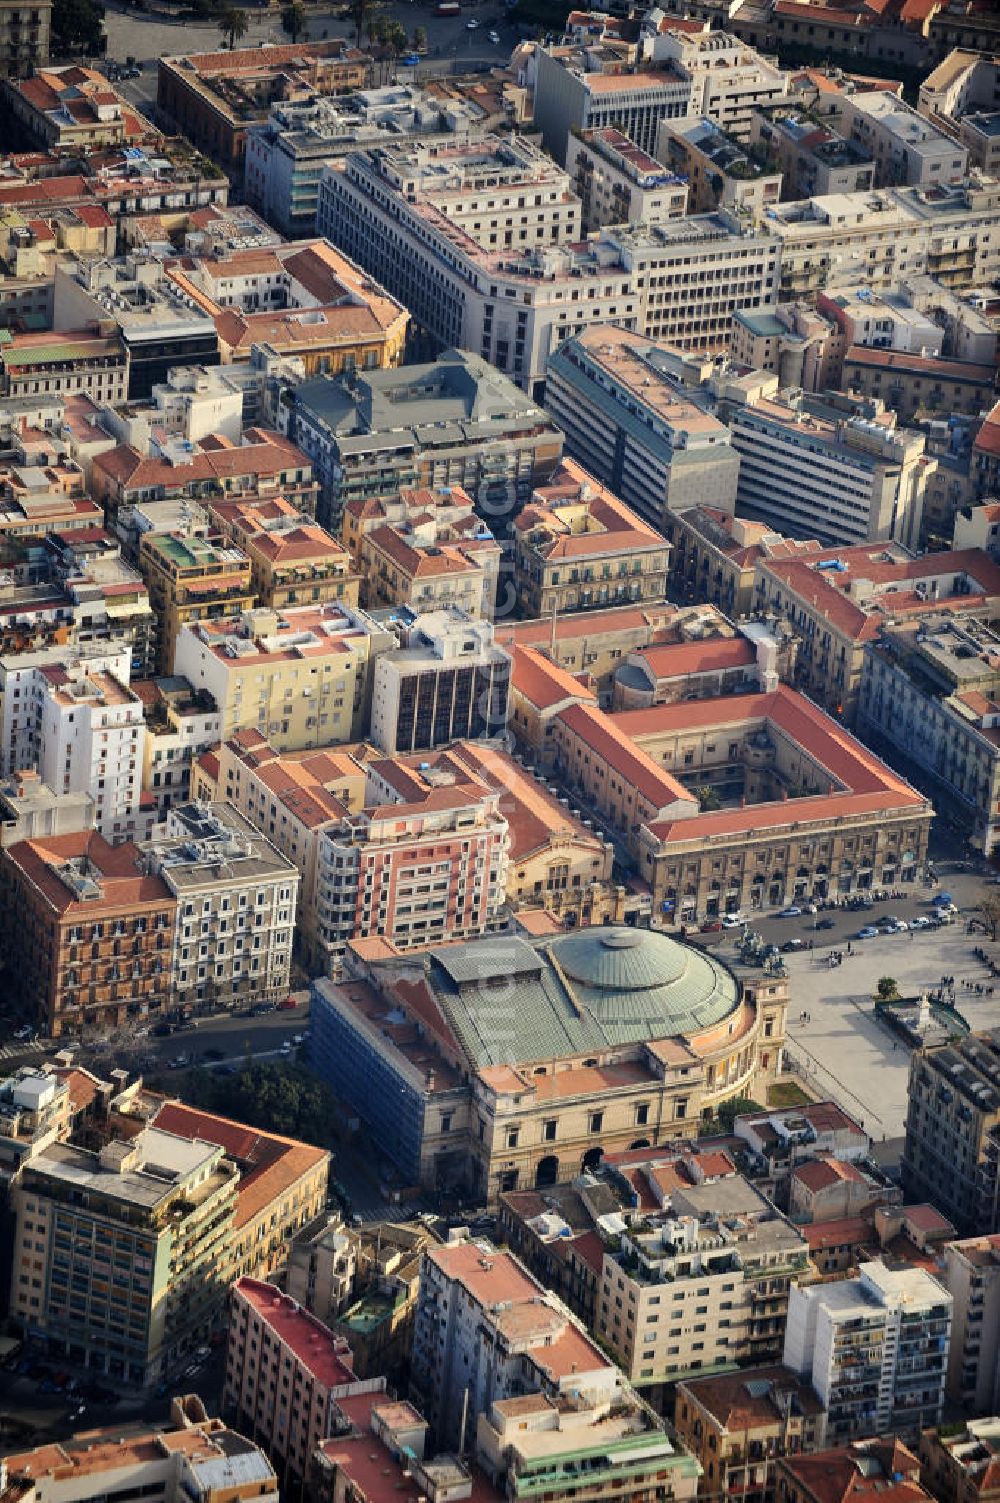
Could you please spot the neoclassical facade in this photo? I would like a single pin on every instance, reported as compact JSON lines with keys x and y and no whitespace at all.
{"x":502,"y":1064}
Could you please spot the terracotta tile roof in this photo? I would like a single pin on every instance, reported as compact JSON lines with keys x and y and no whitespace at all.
{"x":616,"y":749}
{"x":83,"y":1087}
{"x":987,"y":440}
{"x":669,"y":660}
{"x":746,"y":1400}
{"x":535,"y":817}
{"x":845,"y":1231}
{"x":265,"y":454}
{"x":613,"y":527}
{"x":847,"y":1475}
{"x":543,"y":683}
{"x":123,"y":882}
{"x":269,"y":1164}
{"x":820,"y":1174}
{"x":948,"y":370}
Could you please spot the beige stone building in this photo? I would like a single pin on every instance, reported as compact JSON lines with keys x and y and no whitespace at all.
{"x":426,"y":549}
{"x":742,"y":802}
{"x":838,"y":600}
{"x":713,"y":556}
{"x":301,"y":677}
{"x":293,"y":561}
{"x":972,"y":1276}
{"x":517,"y":1074}
{"x":737,"y":1423}
{"x":577,"y":545}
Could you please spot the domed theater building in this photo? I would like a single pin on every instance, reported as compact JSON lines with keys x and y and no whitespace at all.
{"x":504,"y":1064}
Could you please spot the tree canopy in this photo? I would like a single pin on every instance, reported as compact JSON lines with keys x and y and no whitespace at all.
{"x":278,"y":1098}
{"x":77,"y":26}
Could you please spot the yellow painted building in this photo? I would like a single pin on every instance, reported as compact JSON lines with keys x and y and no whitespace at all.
{"x":191,"y":579}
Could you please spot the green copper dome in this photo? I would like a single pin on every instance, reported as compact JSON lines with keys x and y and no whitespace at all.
{"x":509,"y":1001}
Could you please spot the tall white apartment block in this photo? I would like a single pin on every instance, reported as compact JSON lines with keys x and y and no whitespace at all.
{"x":875,"y":1349}
{"x":93,"y":737}
{"x":24,"y":689}
{"x":906,"y":148}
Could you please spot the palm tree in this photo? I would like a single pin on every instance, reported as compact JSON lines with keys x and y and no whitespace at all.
{"x":359,"y":12}
{"x":234,"y":24}
{"x":293,"y":20}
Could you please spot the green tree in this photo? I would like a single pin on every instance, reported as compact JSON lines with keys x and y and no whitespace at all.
{"x":887,"y":988}
{"x":293,"y":20}
{"x":419,"y":39}
{"x":394,"y":37}
{"x":359,"y":12}
{"x":738,"y":1106}
{"x":234,"y":24}
{"x":77,"y":26}
{"x":707,"y":797}
{"x":280,"y":1098}
{"x":989,"y":907}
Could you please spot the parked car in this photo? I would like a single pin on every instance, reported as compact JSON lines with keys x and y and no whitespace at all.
{"x":287,"y":1004}
{"x":793,"y":944}
{"x":472,"y":24}
{"x":868,"y":932}
{"x":921,"y":922}
{"x":826,"y":923}
{"x":495,"y":38}
{"x":711,"y":926}
{"x":900,"y":926}
{"x":791,"y":912}
{"x":733,"y":920}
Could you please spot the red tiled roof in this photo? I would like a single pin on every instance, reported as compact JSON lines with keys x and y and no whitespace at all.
{"x":542,"y":682}
{"x":820,"y":1174}
{"x":685,"y":659}
{"x":599,"y":731}
{"x":949,"y":370}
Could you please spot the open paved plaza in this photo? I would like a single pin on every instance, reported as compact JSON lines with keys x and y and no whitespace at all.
{"x":842,"y":1050}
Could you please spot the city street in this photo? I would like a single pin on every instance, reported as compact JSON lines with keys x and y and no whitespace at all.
{"x":452,"y":45}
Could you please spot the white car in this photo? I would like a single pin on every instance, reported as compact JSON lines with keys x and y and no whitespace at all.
{"x":733,"y":920}
{"x":900,"y":926}
{"x":472,"y":25}
{"x":920,"y":923}
{"x":495,"y":38}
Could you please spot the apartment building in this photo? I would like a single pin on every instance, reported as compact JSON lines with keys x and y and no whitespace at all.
{"x":985,"y":461}
{"x":92,"y":737}
{"x":29,"y":808}
{"x":294,"y":561}
{"x":636,"y":428}
{"x":282,"y":1183}
{"x":875,"y":1349}
{"x":425,"y":549}
{"x":919,"y":385}
{"x":713,"y":557}
{"x":72,"y":588}
{"x":152,"y":319}
{"x":286,"y":155}
{"x":236,"y":897}
{"x":181,"y":724}
{"x":951,"y":1149}
{"x":739,"y":1423}
{"x":304,"y":300}
{"x":812,"y":157}
{"x":532,"y":1073}
{"x":284,"y":1372}
{"x":323,"y":1265}
{"x":24,"y":686}
{"x":214,"y":98}
{"x":956,"y":1463}
{"x":720,"y":172}
{"x":906,"y":148}
{"x":852,"y":825}
{"x":191,"y":579}
{"x":193,"y":1458}
{"x":930,"y":690}
{"x":617,"y":183}
{"x":541,"y":1391}
{"x":24,"y":39}
{"x":264,"y":464}
{"x":455,"y":421}
{"x":131,"y":1241}
{"x":864,"y":1470}
{"x":689,"y":73}
{"x":514,"y":302}
{"x":971,"y":1274}
{"x":67,"y":362}
{"x":301,"y":677}
{"x":94,"y":935}
{"x":447,"y":680}
{"x":576,"y":544}
{"x":846,"y":480}
{"x":839,"y":600}
{"x":893,"y":233}
{"x":707,"y":1284}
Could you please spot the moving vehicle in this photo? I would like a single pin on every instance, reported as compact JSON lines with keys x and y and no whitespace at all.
{"x":826,"y":924}
{"x":792,"y":912}
{"x":472,"y":24}
{"x":495,"y":38}
{"x":447,"y":8}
